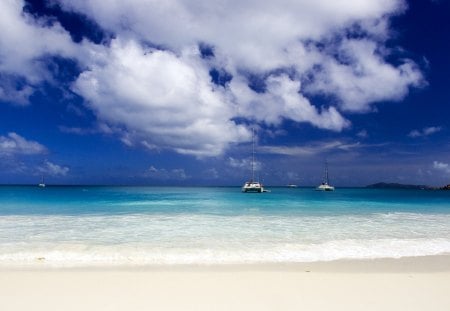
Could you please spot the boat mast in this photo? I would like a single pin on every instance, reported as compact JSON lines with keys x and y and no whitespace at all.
{"x":253,"y":154}
{"x":326,"y":172}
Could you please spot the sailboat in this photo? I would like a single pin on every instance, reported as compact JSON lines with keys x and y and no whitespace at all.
{"x":325,"y":186}
{"x":42,"y":183}
{"x":252,"y":185}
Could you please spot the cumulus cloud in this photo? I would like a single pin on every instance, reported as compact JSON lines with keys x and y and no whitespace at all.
{"x":425,"y":131}
{"x":13,"y":91}
{"x":441,"y":166}
{"x":152,"y":87}
{"x":14,"y":144}
{"x":235,"y":27}
{"x":52,"y":169}
{"x":283,"y":100}
{"x":358,"y":75}
{"x":162,"y":99}
{"x":24,"y":42}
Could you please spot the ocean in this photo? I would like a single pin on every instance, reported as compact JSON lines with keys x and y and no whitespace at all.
{"x":140,"y":226}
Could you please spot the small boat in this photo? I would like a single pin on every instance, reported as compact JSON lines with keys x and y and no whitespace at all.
{"x":42,"y":183}
{"x":252,"y":185}
{"x":325,"y":186}
{"x":292,"y":186}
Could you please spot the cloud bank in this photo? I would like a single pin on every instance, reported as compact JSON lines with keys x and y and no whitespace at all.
{"x":152,"y":84}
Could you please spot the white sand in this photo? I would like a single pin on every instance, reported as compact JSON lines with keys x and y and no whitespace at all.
{"x":421,"y":283}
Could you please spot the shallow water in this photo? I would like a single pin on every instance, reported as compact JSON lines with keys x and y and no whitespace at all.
{"x":87,"y":226}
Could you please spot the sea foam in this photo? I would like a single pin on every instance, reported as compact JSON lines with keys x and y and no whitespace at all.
{"x":211,"y":239}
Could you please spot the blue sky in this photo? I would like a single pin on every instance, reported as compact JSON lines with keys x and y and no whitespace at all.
{"x":153,"y":93}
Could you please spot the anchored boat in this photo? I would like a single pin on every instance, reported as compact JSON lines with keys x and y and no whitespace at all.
{"x":42,"y":183}
{"x":325,"y":186}
{"x":252,"y":185}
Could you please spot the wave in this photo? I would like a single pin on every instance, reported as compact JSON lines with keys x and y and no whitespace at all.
{"x":161,"y":239}
{"x":78,"y":255}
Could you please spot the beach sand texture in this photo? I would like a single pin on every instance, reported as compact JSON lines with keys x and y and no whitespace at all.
{"x":420,"y":283}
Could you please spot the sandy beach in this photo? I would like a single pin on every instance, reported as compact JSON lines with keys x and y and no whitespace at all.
{"x":415,"y":283}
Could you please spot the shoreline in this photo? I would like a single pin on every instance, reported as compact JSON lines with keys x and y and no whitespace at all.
{"x":412,"y":283}
{"x":416,"y":264}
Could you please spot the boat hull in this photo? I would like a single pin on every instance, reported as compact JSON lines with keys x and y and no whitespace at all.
{"x":254,"y":187}
{"x":325,"y":188}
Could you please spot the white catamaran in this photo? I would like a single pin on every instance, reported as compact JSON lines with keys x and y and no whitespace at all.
{"x":252,"y":185}
{"x":42,"y":183}
{"x":325,"y":186}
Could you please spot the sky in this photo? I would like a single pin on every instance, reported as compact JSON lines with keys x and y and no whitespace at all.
{"x":147,"y":92}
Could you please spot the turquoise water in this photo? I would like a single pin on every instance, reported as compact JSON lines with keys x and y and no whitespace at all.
{"x":86,"y":226}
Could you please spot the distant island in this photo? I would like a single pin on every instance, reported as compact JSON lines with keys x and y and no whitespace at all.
{"x":384,"y":185}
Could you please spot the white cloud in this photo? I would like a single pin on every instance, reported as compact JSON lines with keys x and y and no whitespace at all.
{"x":14,"y":144}
{"x":24,"y":41}
{"x":362,"y":134}
{"x":359,"y":76}
{"x":11,"y":92}
{"x":430,"y":130}
{"x":441,"y":166}
{"x":164,"y":174}
{"x":235,"y":27}
{"x":245,"y":163}
{"x":312,"y":149}
{"x":76,"y":130}
{"x":425,"y":131}
{"x":283,"y":100}
{"x":415,"y":133}
{"x":52,"y":169}
{"x":164,"y":99}
{"x":98,"y":128}
{"x":239,"y":163}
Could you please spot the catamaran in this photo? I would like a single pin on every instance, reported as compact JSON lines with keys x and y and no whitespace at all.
{"x":252,"y":185}
{"x":42,"y":183}
{"x":325,"y":186}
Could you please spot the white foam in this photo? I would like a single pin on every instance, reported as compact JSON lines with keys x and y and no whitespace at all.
{"x":125,"y":255}
{"x":211,"y":239}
